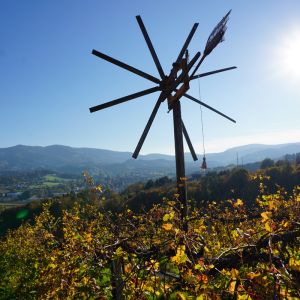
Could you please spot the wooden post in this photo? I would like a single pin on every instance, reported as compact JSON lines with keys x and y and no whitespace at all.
{"x":116,"y":279}
{"x":179,"y":156}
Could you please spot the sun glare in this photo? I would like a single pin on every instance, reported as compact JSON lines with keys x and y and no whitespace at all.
{"x":289,"y":56}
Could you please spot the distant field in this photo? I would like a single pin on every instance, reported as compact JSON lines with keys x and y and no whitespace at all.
{"x":6,"y":205}
{"x":50,"y":180}
{"x":54,"y":178}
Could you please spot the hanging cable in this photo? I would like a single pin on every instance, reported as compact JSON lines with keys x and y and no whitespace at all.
{"x":204,"y":164}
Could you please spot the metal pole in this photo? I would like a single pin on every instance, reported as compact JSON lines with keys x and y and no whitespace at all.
{"x":180,"y":169}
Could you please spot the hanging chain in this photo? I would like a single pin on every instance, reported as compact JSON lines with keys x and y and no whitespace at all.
{"x":202,"y":125}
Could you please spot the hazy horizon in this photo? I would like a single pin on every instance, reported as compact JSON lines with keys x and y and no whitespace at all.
{"x":151,"y":153}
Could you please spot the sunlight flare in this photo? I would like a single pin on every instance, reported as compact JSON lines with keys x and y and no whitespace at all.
{"x":289,"y":55}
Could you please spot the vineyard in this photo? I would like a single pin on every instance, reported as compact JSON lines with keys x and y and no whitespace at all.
{"x":228,"y":251}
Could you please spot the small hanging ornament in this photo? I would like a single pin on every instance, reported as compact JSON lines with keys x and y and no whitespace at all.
{"x":204,"y":165}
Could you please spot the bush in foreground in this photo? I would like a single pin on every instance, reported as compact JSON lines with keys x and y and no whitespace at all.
{"x":228,"y":252}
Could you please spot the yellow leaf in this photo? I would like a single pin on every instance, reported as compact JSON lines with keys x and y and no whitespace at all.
{"x":155,"y":264}
{"x":199,"y":226}
{"x":98,"y":188}
{"x":169,"y":216}
{"x":294,"y":264}
{"x":234,"y":233}
{"x":252,"y":275}
{"x":232,"y":285}
{"x":272,"y":205}
{"x":119,"y":252}
{"x":265,"y":216}
{"x":239,"y":202}
{"x":285,"y":224}
{"x":225,"y":272}
{"x":180,"y":256}
{"x":53,"y":266}
{"x":243,"y":297}
{"x":206,"y":250}
{"x":166,"y":217}
{"x":234,"y":273}
{"x":268,"y":227}
{"x":85,"y":280}
{"x":180,"y":296}
{"x":88,"y":237}
{"x":167,"y":226}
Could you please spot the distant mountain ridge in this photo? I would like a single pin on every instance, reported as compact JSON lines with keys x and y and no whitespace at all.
{"x":74,"y":160}
{"x":254,"y":153}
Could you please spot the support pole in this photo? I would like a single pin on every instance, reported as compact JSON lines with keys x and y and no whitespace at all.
{"x":180,"y":169}
{"x":116,"y":279}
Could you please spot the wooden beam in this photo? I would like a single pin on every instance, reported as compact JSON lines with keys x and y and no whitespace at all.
{"x":187,"y":42}
{"x":150,"y":46}
{"x":188,"y":141}
{"x":124,"y":99}
{"x":147,"y":128}
{"x":209,"y":107}
{"x":125,"y":66}
{"x":212,"y":72}
{"x":180,"y":168}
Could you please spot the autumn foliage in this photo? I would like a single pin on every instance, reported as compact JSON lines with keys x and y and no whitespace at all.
{"x":228,"y":252}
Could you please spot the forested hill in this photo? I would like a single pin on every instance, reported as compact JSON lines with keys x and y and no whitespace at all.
{"x":236,"y":183}
{"x":74,"y":160}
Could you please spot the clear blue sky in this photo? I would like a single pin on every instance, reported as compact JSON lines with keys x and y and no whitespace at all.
{"x":49,"y":79}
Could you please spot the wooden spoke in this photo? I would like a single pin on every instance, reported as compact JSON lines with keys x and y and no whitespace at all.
{"x":187,"y":42}
{"x":150,"y":46}
{"x":124,"y":99}
{"x":212,"y":72}
{"x":125,"y":66}
{"x":209,"y":107}
{"x":188,"y":141}
{"x":147,"y":128}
